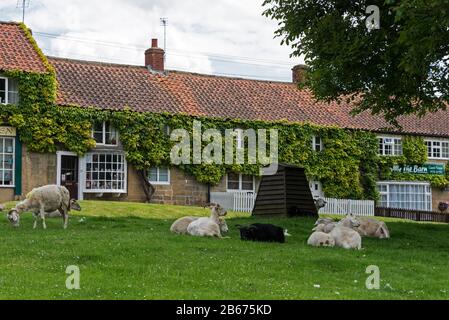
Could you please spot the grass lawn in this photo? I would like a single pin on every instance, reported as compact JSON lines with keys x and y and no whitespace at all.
{"x":125,"y":251}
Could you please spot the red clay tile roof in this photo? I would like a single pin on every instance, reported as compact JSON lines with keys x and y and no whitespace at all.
{"x":16,"y":51}
{"x":111,"y":86}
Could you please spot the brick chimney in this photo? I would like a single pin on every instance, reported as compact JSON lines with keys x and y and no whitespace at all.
{"x":299,"y":73}
{"x":154,"y":57}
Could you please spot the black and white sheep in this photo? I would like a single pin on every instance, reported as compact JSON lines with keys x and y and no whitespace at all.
{"x":42,"y":201}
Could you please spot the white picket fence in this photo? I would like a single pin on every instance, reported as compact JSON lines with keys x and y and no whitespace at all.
{"x":345,"y":206}
{"x":235,"y":201}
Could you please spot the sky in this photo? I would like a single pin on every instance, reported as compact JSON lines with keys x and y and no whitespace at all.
{"x":221,"y":37}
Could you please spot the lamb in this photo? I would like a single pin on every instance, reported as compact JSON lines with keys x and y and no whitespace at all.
{"x":263,"y":232}
{"x":208,"y":227}
{"x":42,"y":201}
{"x":321,"y":239}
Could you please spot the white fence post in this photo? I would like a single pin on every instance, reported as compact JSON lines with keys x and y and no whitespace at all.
{"x":345,"y":206}
{"x":239,"y":201}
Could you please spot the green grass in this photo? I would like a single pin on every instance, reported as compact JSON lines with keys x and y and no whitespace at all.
{"x":125,"y":251}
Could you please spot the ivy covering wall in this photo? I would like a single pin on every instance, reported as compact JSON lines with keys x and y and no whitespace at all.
{"x":348,"y":166}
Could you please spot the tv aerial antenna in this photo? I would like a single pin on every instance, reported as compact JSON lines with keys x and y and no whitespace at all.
{"x":23,"y":4}
{"x":164,"y":23}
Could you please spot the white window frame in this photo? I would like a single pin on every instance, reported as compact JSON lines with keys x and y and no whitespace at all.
{"x":103,"y":143}
{"x":161,"y":183}
{"x":436,"y":147}
{"x":428,"y":195}
{"x":240,"y":184}
{"x":315,"y":144}
{"x":13,"y":185}
{"x":393,"y":145}
{"x":7,"y":91}
{"x":83,"y":171}
{"x":240,"y":141}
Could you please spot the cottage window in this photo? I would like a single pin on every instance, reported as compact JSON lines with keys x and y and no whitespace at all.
{"x":105,"y":172}
{"x":7,"y":148}
{"x":405,"y":195}
{"x":389,"y":146}
{"x":105,"y":134}
{"x":317,"y":144}
{"x":437,"y":149}
{"x":159,"y":175}
{"x":9,"y":92}
{"x":240,"y":182}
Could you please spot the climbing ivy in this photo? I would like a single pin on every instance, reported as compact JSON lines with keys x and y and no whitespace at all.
{"x":348,"y":166}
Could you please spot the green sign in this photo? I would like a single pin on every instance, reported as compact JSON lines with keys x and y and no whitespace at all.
{"x":429,"y":168}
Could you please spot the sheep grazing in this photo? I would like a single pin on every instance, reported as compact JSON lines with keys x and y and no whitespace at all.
{"x":42,"y":201}
{"x":208,"y":227}
{"x":321,"y":239}
{"x":263,"y":232}
{"x":373,"y":228}
{"x":346,"y":237}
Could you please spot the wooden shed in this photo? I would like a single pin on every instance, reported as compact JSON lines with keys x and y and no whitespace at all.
{"x":285,"y":193}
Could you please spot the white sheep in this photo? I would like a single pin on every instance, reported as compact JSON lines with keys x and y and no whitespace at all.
{"x":321,"y":239}
{"x":373,"y":228}
{"x":208,"y":227}
{"x":44,"y":200}
{"x":325,"y":227}
{"x":324,"y":221}
{"x":346,"y":237}
{"x":180,"y":225}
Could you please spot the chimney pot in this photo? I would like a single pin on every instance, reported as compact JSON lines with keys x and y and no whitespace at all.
{"x":299,"y":73}
{"x":153,"y":43}
{"x":154,"y":57}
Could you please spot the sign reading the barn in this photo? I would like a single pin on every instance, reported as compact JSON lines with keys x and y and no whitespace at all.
{"x":8,"y":131}
{"x":430,"y":168}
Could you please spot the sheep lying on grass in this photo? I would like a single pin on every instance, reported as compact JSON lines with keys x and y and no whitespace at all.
{"x":263,"y":232}
{"x":180,"y":225}
{"x":321,"y":239}
{"x":342,"y":233}
{"x":208,"y":227}
{"x":44,"y":200}
{"x":373,"y":228}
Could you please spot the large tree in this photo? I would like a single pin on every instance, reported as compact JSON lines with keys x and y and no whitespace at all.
{"x":399,"y":68}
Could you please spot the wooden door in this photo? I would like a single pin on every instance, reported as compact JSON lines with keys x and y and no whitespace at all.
{"x":69,"y":174}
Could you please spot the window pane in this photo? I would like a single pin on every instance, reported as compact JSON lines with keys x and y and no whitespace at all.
{"x":98,"y":132}
{"x":2,"y":91}
{"x":111,"y":134}
{"x":13,"y":91}
{"x":163,"y":174}
{"x":152,"y":175}
{"x":247,"y":183}
{"x":6,"y":161}
{"x":105,"y":171}
{"x":233,"y":181}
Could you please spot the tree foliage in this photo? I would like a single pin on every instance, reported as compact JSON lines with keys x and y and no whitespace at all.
{"x":399,"y":69}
